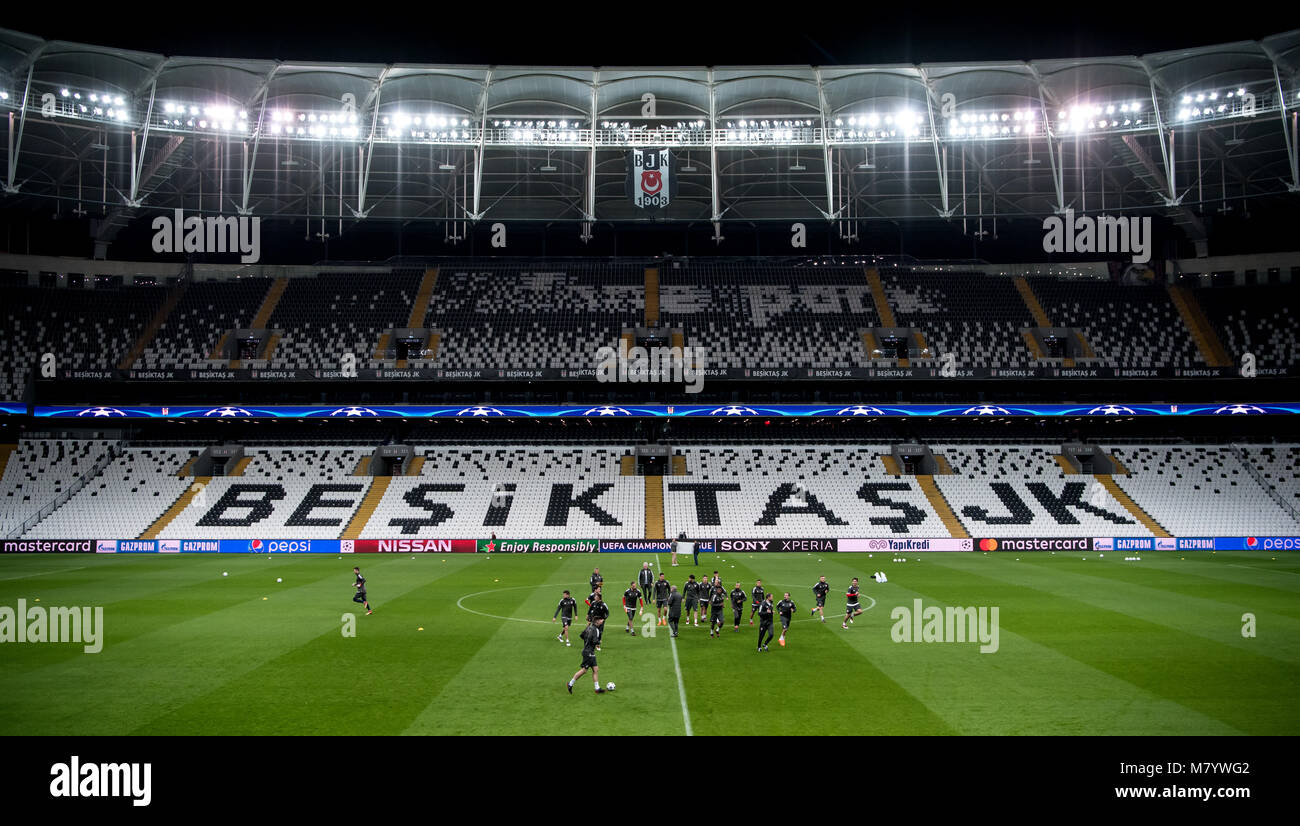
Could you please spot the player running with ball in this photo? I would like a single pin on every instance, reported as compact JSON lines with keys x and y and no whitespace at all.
{"x":590,"y":636}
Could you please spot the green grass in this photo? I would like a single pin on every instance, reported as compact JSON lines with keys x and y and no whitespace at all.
{"x":1086,"y":646}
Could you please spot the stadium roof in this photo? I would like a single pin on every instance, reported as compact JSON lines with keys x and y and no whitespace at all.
{"x":115,"y":129}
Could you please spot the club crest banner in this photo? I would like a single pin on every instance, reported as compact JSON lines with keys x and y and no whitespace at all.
{"x":651,"y":179}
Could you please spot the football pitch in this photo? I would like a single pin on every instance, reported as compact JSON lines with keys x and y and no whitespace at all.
{"x":464,"y":644}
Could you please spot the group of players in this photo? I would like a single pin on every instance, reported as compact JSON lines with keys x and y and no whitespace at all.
{"x":696,"y":598}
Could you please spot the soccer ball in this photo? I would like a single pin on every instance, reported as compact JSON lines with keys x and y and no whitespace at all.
{"x":278,"y":579}
{"x":609,"y":686}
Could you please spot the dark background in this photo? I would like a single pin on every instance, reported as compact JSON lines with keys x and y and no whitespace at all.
{"x":639,"y":34}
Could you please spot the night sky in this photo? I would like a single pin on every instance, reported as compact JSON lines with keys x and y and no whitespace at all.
{"x":646,"y":33}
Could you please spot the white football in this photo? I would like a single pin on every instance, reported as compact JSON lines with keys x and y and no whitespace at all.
{"x":224,"y":573}
{"x":278,"y":579}
{"x":609,"y":687}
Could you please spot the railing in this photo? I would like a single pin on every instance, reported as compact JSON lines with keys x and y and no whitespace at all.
{"x":1264,"y":483}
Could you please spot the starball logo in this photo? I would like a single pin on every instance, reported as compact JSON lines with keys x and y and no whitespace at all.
{"x":211,"y":235}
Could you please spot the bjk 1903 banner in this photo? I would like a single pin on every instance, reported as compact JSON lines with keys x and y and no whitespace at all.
{"x":651,"y":178}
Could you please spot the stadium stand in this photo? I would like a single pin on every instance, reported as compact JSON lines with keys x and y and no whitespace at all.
{"x":1000,"y":490}
{"x":39,"y":471}
{"x":846,"y":492}
{"x":188,"y":339}
{"x":1254,"y":319}
{"x":521,"y":317}
{"x":770,"y":316}
{"x":84,"y":329}
{"x":976,"y":317}
{"x":336,"y":313}
{"x":306,"y":493}
{"x":124,"y":499}
{"x":1279,"y":467}
{"x":571,"y":490}
{"x":547,"y":492}
{"x":1200,"y":491}
{"x":1126,"y":325}
{"x":746,"y":315}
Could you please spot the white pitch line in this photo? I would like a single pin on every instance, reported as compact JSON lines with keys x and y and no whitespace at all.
{"x":1260,"y":570}
{"x":44,"y":573}
{"x":493,"y":591}
{"x":677,"y":666}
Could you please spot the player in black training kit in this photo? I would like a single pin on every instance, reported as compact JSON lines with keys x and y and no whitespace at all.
{"x":715,"y":582}
{"x":596,"y":579}
{"x":853,"y":607}
{"x":737,"y":604}
{"x":631,"y":600}
{"x":765,"y":623}
{"x":691,"y":597}
{"x":360,"y":595}
{"x":568,"y":605}
{"x":785,"y":609}
{"x":820,"y":590}
{"x":758,"y":599}
{"x":590,"y":645}
{"x":598,"y":611}
{"x":674,"y":609}
{"x":662,"y":589}
{"x":716,"y":601}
